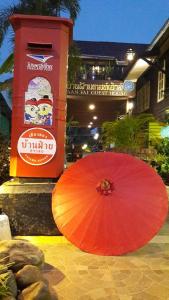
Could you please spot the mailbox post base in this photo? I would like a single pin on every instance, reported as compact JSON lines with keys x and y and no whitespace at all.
{"x":27,"y":203}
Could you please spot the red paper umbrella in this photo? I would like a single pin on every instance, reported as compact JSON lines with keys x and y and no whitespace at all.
{"x":109,"y":203}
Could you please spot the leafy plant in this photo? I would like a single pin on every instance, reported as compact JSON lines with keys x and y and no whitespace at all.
{"x":4,"y":288}
{"x":108,"y":133}
{"x":128,"y":134}
{"x":8,"y":64}
{"x":74,"y":63}
{"x":40,"y":7}
{"x":161,"y":160}
{"x":4,"y":159}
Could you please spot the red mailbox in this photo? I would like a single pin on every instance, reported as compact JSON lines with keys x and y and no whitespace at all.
{"x":39,"y":95}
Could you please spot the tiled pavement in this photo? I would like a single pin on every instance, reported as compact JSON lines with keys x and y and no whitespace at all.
{"x":76,"y":275}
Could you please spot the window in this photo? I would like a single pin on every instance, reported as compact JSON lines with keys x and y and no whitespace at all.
{"x":143,"y":97}
{"x":98,"y":72}
{"x":161,"y":84}
{"x":102,"y":70}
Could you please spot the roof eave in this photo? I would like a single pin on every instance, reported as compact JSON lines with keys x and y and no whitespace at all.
{"x":159,"y":35}
{"x":137,"y":69}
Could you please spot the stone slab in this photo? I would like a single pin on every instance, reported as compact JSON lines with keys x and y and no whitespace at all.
{"x":28,"y":206}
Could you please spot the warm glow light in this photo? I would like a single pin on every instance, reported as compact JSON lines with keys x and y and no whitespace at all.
{"x":96,"y":136}
{"x":129,"y":106}
{"x":84,"y":146}
{"x":130,"y":54}
{"x":89,"y":126}
{"x":44,"y":240}
{"x":91,"y":106}
{"x":95,"y":118}
{"x":91,"y":123}
{"x":139,"y":67}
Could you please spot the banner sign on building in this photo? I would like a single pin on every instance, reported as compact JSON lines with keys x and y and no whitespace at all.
{"x":112,"y":88}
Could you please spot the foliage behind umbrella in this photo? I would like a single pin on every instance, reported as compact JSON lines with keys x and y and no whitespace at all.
{"x":4,"y":159}
{"x":128,"y":134}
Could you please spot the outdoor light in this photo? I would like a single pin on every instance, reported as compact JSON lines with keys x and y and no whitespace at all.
{"x":84,"y":146}
{"x":91,"y":106}
{"x":129,"y":107}
{"x":95,"y":69}
{"x":96,"y":136}
{"x":130,"y":54}
{"x":95,"y":118}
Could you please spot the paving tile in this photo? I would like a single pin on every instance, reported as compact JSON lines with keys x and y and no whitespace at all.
{"x":145,"y":296}
{"x":76,"y":275}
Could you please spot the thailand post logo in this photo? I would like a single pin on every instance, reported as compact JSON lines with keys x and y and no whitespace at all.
{"x":39,"y":57}
{"x":42,"y":66}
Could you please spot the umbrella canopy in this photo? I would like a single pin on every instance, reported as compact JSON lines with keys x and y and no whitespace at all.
{"x":109,"y":203}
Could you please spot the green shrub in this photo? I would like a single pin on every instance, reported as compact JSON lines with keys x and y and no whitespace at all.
{"x":161,"y":160}
{"x":4,"y":159}
{"x":128,"y":134}
{"x":4,"y":288}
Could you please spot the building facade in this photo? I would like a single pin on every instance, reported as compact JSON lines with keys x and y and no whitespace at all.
{"x":150,"y":72}
{"x":100,"y":81}
{"x":100,"y":92}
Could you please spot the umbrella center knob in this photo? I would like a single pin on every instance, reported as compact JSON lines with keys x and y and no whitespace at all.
{"x":105,"y":187}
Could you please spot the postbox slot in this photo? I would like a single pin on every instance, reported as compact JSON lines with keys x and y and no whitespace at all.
{"x":40,"y":46}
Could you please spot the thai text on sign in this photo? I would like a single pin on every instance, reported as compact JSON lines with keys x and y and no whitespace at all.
{"x":36,"y":146}
{"x":106,"y":89}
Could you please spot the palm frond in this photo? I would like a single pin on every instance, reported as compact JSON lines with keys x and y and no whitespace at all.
{"x":40,"y":7}
{"x":4,"y":21}
{"x":72,"y":7}
{"x":7,"y":84}
{"x":7,"y":65}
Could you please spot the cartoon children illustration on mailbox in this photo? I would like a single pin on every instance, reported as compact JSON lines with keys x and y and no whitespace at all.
{"x":38,"y":102}
{"x":45,"y":107}
{"x":31,"y":111}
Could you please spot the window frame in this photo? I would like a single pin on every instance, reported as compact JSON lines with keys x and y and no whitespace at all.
{"x":143,"y":97}
{"x":161,"y":83}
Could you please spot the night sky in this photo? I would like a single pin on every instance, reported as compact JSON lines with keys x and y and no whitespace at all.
{"x":136,"y":21}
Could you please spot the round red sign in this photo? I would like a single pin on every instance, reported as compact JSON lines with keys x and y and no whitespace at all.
{"x":36,"y":146}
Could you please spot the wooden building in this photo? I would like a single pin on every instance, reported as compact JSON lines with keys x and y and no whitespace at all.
{"x":150,"y":72}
